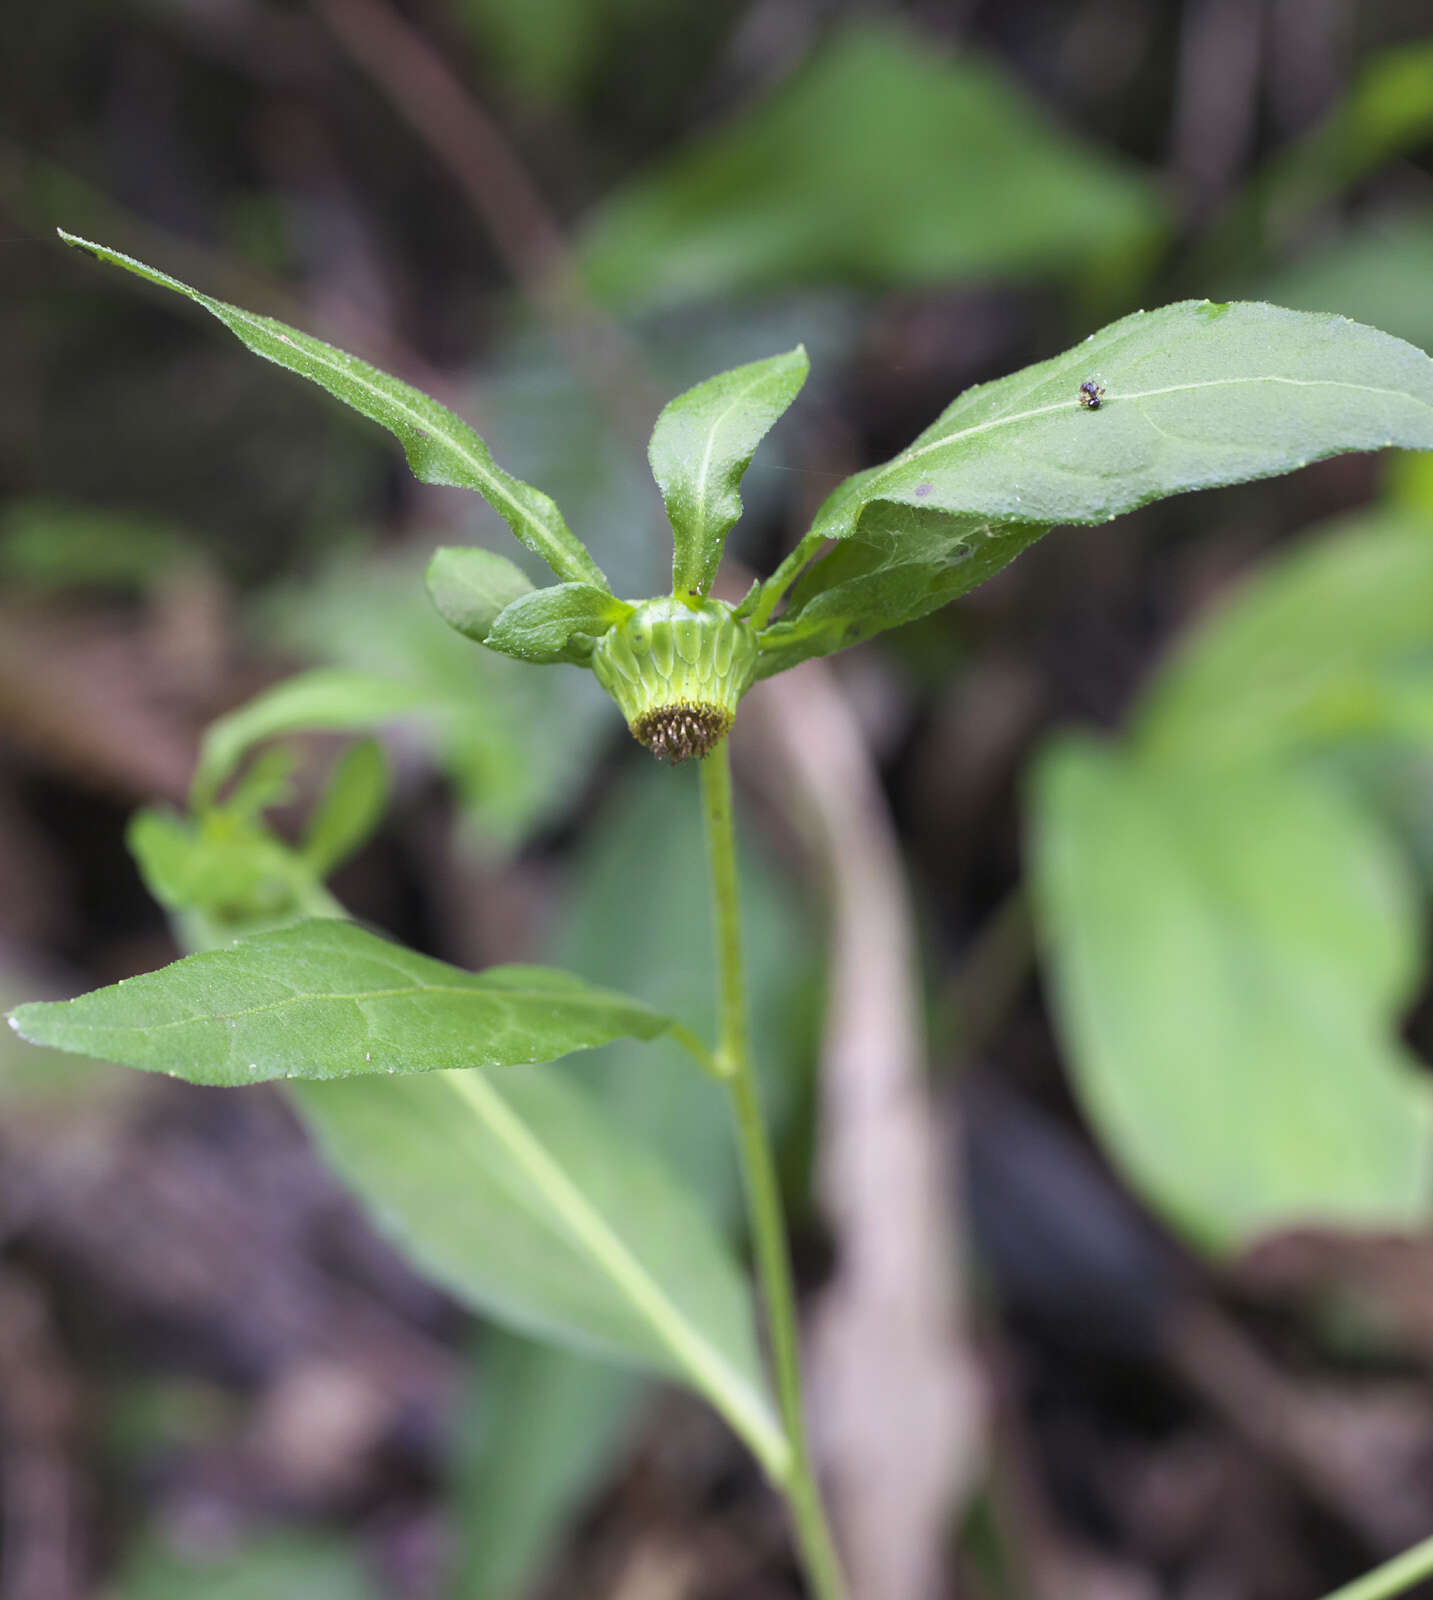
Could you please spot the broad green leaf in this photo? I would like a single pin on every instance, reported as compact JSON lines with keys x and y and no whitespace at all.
{"x":1229,"y":954}
{"x":1195,"y":395}
{"x":350,"y":808}
{"x":515,"y":1190}
{"x":882,"y":160}
{"x":441,"y":448}
{"x":326,"y":999}
{"x":899,"y":565}
{"x":323,"y":698}
{"x":701,"y":447}
{"x":1331,"y":641}
{"x":470,"y":586}
{"x":552,"y":624}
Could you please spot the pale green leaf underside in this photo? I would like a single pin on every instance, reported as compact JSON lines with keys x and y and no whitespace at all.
{"x":517,"y":1192}
{"x":441,"y":447}
{"x":702,"y":445}
{"x":1196,"y":395}
{"x":1229,"y":953}
{"x":327,"y":999}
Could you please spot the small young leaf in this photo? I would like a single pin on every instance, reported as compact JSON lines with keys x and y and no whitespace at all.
{"x":702,"y":444}
{"x":441,"y":448}
{"x":349,"y":809}
{"x":327,"y":697}
{"x":326,"y":999}
{"x":518,"y":1193}
{"x":1191,"y":396}
{"x":470,"y":586}
{"x":549,"y":624}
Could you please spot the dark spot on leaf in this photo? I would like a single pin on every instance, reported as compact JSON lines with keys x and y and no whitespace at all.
{"x":923,"y":489}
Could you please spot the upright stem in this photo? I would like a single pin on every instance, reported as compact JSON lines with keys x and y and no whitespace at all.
{"x":763,"y":1195}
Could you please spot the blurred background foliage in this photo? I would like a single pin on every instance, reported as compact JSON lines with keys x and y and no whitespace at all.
{"x":1193,"y":1146}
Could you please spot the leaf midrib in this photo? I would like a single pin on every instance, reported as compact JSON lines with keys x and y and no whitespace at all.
{"x":712,"y":1373}
{"x":914,"y":454}
{"x":595,"y":1002}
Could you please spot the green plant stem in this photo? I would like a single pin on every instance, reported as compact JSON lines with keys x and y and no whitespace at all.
{"x":763,"y":1194}
{"x":1393,"y":1577}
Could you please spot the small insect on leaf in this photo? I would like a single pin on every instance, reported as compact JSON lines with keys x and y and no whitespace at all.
{"x":1091,"y":394}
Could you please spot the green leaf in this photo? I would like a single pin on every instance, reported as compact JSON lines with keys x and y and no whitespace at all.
{"x":1229,"y":955}
{"x":326,"y":999}
{"x":1194,"y":395}
{"x":1329,"y":642}
{"x":558,"y":623}
{"x":225,"y":869}
{"x":515,"y":1191}
{"x":441,"y":448}
{"x":882,"y":160}
{"x":702,"y":445}
{"x":350,"y":808}
{"x":899,"y":565}
{"x":323,"y":698}
{"x":471,"y":586}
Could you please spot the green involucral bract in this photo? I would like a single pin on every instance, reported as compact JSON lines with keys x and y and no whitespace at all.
{"x":677,"y":668}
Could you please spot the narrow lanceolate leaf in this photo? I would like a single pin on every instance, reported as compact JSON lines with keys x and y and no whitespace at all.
{"x":326,"y":999}
{"x":441,"y":448}
{"x":558,"y":623}
{"x":519,"y":1193}
{"x":327,"y":697}
{"x":702,"y":445}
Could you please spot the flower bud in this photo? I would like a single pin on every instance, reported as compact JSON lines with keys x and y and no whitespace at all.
{"x":677,"y":668}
